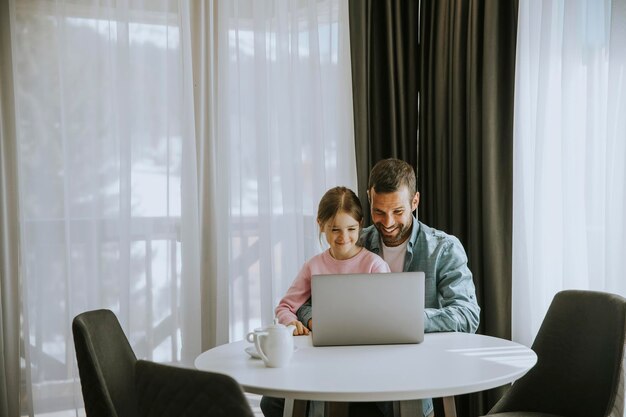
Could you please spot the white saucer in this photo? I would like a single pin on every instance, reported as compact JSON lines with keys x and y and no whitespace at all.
{"x":251,"y":350}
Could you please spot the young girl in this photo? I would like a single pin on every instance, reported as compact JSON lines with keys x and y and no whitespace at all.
{"x":339,"y":217}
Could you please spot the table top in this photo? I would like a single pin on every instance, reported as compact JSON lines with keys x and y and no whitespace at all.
{"x":445,"y":364}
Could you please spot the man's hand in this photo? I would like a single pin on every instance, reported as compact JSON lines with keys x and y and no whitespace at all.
{"x":301,"y":329}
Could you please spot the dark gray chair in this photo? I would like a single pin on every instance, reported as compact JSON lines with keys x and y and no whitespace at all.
{"x":116,"y":384}
{"x":106,"y":365}
{"x":165,"y":391}
{"x":580,"y":352}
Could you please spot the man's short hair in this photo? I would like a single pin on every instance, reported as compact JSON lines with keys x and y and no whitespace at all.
{"x":389,"y":175}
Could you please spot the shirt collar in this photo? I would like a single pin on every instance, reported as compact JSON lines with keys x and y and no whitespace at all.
{"x":415,"y":231}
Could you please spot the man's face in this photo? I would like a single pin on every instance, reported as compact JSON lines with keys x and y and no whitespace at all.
{"x":392,"y":214}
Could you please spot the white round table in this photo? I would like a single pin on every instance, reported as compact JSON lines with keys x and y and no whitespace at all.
{"x":445,"y":364}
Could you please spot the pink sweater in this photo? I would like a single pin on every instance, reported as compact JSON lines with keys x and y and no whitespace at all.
{"x":324,"y":264}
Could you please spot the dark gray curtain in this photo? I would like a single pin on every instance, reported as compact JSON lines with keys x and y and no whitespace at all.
{"x":465,"y":69}
{"x":466,"y":139}
{"x":384,"y":51}
{"x":465,"y":167}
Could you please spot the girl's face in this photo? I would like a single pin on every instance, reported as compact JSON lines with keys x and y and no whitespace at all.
{"x":342,"y":233}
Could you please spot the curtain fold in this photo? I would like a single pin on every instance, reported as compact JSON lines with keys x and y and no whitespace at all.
{"x":384,"y":51}
{"x":465,"y":168}
{"x":10,"y":380}
{"x":208,"y":183}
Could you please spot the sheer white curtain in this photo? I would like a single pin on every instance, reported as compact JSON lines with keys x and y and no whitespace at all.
{"x":124,"y":205}
{"x":284,"y":135}
{"x":102,"y":137}
{"x":570,"y":154}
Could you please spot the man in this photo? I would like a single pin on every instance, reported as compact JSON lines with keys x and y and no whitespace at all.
{"x":409,"y":245}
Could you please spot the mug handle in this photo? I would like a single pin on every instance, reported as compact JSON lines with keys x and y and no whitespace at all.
{"x":257,"y":344}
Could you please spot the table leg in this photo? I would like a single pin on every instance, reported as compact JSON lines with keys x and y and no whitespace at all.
{"x":294,"y":408}
{"x":288,"y":409}
{"x":449,"y":407}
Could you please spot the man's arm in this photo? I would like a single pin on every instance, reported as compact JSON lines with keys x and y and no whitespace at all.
{"x":305,"y":312}
{"x":459,"y":311}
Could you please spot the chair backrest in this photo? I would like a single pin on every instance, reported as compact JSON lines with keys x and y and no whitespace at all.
{"x":164,"y":391}
{"x":106,"y":364}
{"x":580,"y":351}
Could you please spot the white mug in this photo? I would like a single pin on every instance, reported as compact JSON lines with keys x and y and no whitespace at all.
{"x":250,"y":337}
{"x":274,"y":344}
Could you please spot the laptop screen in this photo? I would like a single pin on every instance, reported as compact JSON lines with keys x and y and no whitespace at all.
{"x":367,"y":309}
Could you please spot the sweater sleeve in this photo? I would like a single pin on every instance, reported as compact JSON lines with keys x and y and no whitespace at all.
{"x":297,"y":294}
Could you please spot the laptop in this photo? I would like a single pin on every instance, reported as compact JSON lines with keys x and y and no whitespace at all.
{"x":367,"y":309}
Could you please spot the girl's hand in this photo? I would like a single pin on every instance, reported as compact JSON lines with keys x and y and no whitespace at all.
{"x":310,"y":324}
{"x":300,"y":328}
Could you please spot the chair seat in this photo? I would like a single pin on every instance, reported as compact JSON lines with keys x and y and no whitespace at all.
{"x":164,"y":390}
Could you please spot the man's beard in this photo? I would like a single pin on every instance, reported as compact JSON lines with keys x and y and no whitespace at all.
{"x":405,"y":231}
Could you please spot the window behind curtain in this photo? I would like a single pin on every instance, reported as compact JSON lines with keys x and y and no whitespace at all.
{"x":99,"y":110}
{"x":570,"y":149}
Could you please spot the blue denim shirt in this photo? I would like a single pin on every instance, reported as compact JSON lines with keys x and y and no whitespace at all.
{"x":450,"y":304}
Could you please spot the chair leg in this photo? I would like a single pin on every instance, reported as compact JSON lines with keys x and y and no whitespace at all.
{"x":449,"y":407}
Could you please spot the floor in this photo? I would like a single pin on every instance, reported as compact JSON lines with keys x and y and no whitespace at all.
{"x":253,"y":399}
